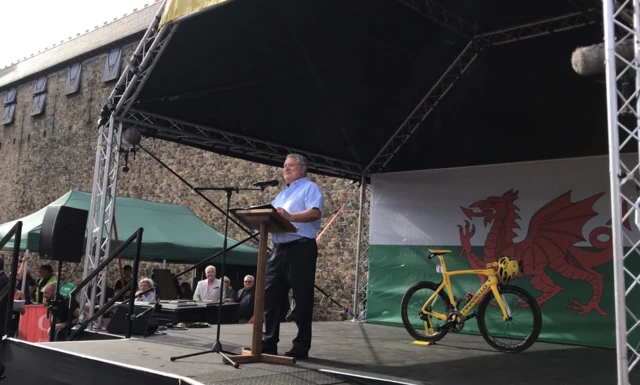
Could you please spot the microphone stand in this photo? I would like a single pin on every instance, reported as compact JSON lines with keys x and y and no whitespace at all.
{"x":217,"y":346}
{"x":156,"y":304}
{"x":151,"y":309}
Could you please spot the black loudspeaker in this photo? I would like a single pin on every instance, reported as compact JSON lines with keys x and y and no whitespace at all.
{"x":165,"y":284}
{"x":62,"y":233}
{"x":143,"y":325}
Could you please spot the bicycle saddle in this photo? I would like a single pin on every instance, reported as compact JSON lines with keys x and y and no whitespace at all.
{"x":435,"y":253}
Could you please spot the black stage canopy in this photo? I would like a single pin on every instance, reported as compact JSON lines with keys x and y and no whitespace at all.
{"x":255,"y":79}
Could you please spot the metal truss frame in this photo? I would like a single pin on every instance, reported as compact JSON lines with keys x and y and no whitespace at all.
{"x":624,"y":174}
{"x":539,"y":28}
{"x":361,"y":281}
{"x":423,"y":109}
{"x":108,"y":150}
{"x":218,"y":140}
{"x":459,"y":66}
{"x":438,"y":13}
{"x":116,"y":115}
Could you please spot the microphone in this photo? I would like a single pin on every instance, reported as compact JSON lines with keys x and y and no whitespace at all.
{"x":266,"y":184}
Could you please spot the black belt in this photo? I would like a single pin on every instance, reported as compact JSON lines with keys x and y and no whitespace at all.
{"x":291,"y":243}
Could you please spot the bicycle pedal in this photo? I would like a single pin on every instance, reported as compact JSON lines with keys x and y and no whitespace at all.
{"x":424,"y":343}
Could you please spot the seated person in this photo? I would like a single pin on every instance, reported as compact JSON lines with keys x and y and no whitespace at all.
{"x":126,"y":271}
{"x":186,"y":292}
{"x":63,"y":313}
{"x":229,"y":294}
{"x":246,"y":298}
{"x":146,"y":284}
{"x":208,"y":289}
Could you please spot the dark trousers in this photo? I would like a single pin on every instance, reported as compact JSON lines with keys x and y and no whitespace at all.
{"x":290,"y":265}
{"x":61,"y":335}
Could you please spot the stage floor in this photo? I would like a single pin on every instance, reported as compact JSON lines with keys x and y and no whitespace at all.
{"x":358,"y":348}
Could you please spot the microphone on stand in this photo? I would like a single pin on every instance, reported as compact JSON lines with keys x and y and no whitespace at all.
{"x":266,"y":184}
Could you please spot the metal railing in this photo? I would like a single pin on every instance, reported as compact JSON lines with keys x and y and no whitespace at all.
{"x":137,"y":236}
{"x":17,"y":231}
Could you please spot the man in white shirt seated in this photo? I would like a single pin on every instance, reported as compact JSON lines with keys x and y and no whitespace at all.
{"x":208,"y":289}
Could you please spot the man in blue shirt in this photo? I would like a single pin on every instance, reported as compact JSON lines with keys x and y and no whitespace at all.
{"x":292,"y":262}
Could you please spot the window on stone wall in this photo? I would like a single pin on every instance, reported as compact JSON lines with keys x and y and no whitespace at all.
{"x":39,"y":96}
{"x":112,"y":65}
{"x":9,"y":114}
{"x":10,"y":101}
{"x":40,"y":85}
{"x":10,"y":97}
{"x":37,"y":108}
{"x":72,"y":85}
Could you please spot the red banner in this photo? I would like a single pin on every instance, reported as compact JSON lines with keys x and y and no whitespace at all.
{"x":34,"y":324}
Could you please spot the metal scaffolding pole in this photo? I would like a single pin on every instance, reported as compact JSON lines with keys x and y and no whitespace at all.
{"x":622,"y":105}
{"x":356,"y":285}
{"x":107,"y":164}
{"x":361,"y":280}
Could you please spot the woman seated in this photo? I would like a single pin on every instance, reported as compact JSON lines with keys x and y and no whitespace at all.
{"x":144,"y":285}
{"x":229,"y":294}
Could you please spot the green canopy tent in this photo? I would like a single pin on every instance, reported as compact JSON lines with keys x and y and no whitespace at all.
{"x":171,"y":232}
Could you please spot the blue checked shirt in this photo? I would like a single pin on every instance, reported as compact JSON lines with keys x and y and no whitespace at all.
{"x":300,"y":195}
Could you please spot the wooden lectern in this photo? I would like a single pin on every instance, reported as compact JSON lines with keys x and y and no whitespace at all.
{"x":266,"y":221}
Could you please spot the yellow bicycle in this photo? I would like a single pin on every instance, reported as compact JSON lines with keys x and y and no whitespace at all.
{"x":429,"y":313}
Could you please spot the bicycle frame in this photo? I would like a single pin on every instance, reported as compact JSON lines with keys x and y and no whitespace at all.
{"x":491,"y":284}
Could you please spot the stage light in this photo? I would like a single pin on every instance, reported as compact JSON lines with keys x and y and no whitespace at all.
{"x":132,"y":136}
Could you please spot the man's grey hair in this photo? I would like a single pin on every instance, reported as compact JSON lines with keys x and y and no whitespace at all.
{"x":302,"y":161}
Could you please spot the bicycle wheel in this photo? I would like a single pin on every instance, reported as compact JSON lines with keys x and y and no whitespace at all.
{"x":411,"y":308}
{"x":515,"y":335}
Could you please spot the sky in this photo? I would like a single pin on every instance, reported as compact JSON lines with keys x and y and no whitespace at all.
{"x":32,"y":25}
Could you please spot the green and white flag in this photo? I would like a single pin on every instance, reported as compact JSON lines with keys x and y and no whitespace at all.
{"x":553,"y":215}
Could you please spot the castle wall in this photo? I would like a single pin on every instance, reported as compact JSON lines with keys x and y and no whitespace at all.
{"x":43,"y":157}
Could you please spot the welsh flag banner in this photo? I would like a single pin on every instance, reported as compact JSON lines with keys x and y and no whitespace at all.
{"x":555,"y":216}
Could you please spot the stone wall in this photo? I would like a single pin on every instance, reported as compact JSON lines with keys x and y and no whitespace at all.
{"x":43,"y":157}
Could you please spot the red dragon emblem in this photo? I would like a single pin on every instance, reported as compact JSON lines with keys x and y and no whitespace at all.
{"x":550,"y":243}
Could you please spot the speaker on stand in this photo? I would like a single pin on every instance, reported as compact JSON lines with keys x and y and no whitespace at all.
{"x":144,"y":322}
{"x":62,"y":234}
{"x":62,"y":239}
